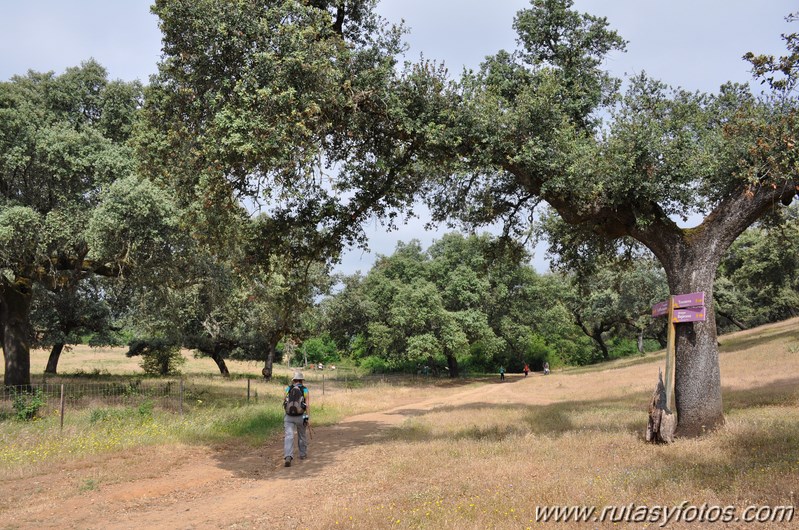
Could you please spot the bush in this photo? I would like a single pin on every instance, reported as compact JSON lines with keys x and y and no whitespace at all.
{"x":159,"y":357}
{"x":620,"y":347}
{"x":146,"y":409}
{"x":320,"y":350}
{"x":27,"y":404}
{"x":108,"y":415}
{"x":163,"y":361}
{"x":374,"y":364}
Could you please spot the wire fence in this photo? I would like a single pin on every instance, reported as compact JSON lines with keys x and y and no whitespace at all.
{"x":50,"y":398}
{"x":174,"y":395}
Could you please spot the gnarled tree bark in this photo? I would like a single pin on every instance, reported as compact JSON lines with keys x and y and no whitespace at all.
{"x":15,"y":305}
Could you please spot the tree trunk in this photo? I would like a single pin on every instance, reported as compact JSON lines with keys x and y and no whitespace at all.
{"x":270,"y":357}
{"x":595,"y":333}
{"x":697,"y":374}
{"x":452,"y":364}
{"x":55,"y":355}
{"x":216,"y":355}
{"x":641,"y":341}
{"x":15,"y":304}
{"x":597,"y":336}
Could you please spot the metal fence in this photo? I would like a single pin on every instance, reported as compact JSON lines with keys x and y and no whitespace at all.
{"x":66,"y":395}
{"x":51,"y":398}
{"x":45,"y":398}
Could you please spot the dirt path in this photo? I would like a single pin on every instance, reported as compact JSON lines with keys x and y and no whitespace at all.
{"x":201,"y":487}
{"x":188,"y":487}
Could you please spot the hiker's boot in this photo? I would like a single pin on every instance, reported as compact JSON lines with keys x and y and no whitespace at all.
{"x":287,"y":462}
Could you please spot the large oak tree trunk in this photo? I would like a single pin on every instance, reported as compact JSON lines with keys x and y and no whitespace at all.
{"x":692,"y":268}
{"x":690,"y":258}
{"x":55,"y":355}
{"x":15,"y":304}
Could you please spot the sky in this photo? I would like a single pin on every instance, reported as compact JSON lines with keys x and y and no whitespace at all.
{"x":693,"y":44}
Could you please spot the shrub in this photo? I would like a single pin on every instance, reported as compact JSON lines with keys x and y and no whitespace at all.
{"x":620,"y":347}
{"x":374,"y":364}
{"x":27,"y":404}
{"x":159,"y":357}
{"x":320,"y":349}
{"x":163,"y":361}
{"x":146,"y":409}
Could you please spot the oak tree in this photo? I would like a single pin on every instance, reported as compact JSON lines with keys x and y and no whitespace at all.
{"x":70,"y":203}
{"x":547,"y":123}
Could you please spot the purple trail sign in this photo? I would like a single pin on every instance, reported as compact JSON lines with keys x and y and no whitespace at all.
{"x":689,"y":300}
{"x":660,"y":309}
{"x":689,"y":314}
{"x":693,"y":303}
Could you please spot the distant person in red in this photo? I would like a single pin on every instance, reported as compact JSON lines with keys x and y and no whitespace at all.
{"x":526,"y":369}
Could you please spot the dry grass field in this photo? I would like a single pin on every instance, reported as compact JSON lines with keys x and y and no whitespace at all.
{"x":112,"y":361}
{"x":438,"y":454}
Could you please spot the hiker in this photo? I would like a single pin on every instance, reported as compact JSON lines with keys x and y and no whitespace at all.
{"x":297,"y":408}
{"x":546,"y":368}
{"x":501,"y":373}
{"x":526,"y":369}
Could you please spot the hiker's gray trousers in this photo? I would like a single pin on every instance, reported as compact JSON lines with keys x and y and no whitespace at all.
{"x":290,"y":423}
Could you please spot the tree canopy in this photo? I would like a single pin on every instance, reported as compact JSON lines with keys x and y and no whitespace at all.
{"x":464,"y":302}
{"x":296,"y":109}
{"x":70,"y":204}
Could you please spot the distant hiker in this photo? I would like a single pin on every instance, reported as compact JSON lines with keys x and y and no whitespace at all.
{"x":501,"y":373}
{"x":297,"y":408}
{"x":546,"y":368}
{"x":526,"y":369}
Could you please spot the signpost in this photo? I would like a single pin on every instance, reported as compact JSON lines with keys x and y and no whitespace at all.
{"x":689,"y":300}
{"x":689,"y":314}
{"x":670,"y":361}
{"x":660,"y":309}
{"x":680,"y":308}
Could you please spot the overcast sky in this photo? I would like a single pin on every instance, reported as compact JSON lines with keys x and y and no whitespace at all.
{"x":694,"y":44}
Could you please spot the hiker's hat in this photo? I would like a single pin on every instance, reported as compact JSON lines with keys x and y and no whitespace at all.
{"x":298,"y":376}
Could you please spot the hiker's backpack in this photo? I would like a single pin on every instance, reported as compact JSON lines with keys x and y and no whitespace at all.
{"x":294,"y":404}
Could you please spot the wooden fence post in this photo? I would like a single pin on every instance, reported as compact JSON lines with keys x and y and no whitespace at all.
{"x":62,"y":407}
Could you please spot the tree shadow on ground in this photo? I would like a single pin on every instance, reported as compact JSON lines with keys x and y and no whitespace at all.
{"x":762,"y":338}
{"x":781,"y":392}
{"x":553,"y":419}
{"x":760,"y":461}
